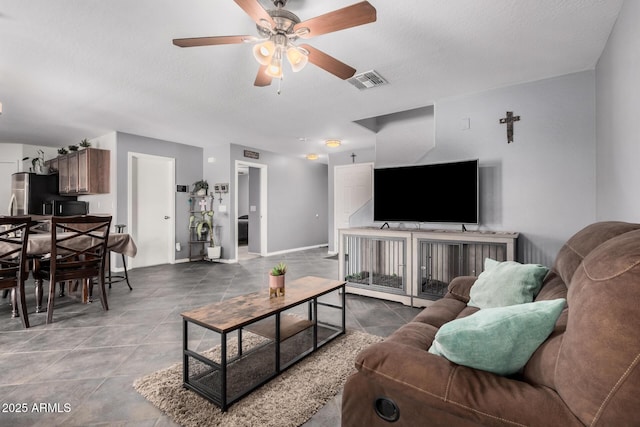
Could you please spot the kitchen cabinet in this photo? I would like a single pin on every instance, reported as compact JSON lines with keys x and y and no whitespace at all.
{"x":84,"y":172}
{"x":51,"y":166}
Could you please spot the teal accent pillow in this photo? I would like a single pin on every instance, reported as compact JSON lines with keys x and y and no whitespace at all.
{"x":499,"y":340}
{"x":506,"y":283}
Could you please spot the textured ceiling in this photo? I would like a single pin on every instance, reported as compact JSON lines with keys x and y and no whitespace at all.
{"x":73,"y":69}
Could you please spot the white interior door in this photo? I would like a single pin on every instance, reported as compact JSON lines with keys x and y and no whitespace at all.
{"x":152,"y":208}
{"x":353,"y":188}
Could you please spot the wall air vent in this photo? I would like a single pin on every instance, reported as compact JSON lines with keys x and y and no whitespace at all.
{"x":367,"y":80}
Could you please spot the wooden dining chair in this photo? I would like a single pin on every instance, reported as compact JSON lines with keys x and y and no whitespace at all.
{"x":78,"y":253}
{"x":14,"y":235}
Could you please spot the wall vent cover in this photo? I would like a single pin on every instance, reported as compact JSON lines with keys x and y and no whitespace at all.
{"x":367,"y":80}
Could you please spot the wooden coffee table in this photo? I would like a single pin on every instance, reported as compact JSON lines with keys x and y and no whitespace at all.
{"x":288,"y":337}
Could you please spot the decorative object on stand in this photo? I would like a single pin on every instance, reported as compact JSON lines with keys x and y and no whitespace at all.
{"x":221,"y":188}
{"x":278,"y":29}
{"x":37,"y":163}
{"x":276,"y":280}
{"x":200,"y":188}
{"x":201,"y":227}
{"x":509,"y":119}
{"x":213,"y":251}
{"x":85,"y":143}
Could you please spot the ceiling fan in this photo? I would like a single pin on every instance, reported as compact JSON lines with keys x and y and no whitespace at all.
{"x":278,"y":30}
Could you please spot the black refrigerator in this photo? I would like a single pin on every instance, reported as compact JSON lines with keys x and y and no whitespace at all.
{"x":33,"y":194}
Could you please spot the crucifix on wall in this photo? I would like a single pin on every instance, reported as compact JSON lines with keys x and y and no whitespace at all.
{"x":509,"y":121}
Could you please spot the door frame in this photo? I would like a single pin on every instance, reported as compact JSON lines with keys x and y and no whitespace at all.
{"x":171,"y":223}
{"x":263,"y":205}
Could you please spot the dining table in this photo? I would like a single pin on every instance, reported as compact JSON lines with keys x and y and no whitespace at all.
{"x":39,"y":245}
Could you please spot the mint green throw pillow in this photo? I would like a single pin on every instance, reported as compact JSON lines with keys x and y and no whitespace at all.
{"x":499,"y":340}
{"x":506,"y":283}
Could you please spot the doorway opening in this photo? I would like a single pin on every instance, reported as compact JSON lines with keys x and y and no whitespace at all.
{"x":250,"y":210}
{"x":151,"y":208}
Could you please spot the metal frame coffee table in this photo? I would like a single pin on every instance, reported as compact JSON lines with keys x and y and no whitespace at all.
{"x":230,"y":377}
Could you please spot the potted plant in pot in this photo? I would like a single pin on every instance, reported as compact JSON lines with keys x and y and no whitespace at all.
{"x":200,"y":187}
{"x":213,"y":251}
{"x":276,"y":280}
{"x":85,"y":143}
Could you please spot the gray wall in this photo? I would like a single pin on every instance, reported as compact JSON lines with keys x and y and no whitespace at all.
{"x":618,"y":94}
{"x":243,"y":194}
{"x":542,"y":184}
{"x":188,"y":163}
{"x":297,"y":201}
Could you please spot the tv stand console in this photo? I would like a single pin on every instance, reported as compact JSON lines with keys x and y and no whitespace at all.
{"x":413,"y":266}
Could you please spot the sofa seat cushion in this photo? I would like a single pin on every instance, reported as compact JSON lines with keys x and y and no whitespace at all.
{"x":506,"y":283}
{"x":499,"y":340}
{"x":400,"y":368}
{"x":441,"y":311}
{"x":414,"y":334}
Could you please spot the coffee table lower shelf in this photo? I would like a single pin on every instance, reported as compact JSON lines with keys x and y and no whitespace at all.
{"x":265,"y":347}
{"x":246,"y":372}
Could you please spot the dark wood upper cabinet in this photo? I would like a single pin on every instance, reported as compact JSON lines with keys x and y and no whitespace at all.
{"x":84,"y":172}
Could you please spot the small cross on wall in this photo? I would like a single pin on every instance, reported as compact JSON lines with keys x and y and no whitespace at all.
{"x":509,"y":121}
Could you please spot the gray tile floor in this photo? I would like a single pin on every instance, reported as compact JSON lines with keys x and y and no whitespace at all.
{"x":79,"y":370}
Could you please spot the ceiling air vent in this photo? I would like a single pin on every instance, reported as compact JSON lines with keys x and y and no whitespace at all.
{"x":367,"y":80}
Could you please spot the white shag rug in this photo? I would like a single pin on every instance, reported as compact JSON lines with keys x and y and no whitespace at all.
{"x":289,"y":399}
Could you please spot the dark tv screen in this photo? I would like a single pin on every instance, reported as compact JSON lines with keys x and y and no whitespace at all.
{"x":439,"y":193}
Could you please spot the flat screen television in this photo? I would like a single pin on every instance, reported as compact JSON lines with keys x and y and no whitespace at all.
{"x":438,"y":193}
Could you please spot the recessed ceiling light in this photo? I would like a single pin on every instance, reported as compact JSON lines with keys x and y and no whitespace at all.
{"x":312,"y":156}
{"x":332,"y":143}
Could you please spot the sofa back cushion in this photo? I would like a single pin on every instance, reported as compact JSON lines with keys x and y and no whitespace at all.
{"x":540,"y":369}
{"x":597,"y":373}
{"x":506,"y":283}
{"x":583,"y":242}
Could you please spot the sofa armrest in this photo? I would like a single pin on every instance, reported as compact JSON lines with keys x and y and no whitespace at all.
{"x":471,"y":394}
{"x":460,"y":287}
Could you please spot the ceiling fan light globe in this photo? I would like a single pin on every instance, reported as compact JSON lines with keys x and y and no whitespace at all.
{"x":263,"y":52}
{"x":297,"y":59}
{"x":274,"y":69}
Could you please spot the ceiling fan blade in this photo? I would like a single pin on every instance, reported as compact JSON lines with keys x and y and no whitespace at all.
{"x":329,"y":63}
{"x":347,"y":17}
{"x":262,"y":79}
{"x":209,"y":41}
{"x":256,"y":12}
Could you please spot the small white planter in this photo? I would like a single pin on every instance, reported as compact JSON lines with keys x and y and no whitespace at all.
{"x":213,"y":252}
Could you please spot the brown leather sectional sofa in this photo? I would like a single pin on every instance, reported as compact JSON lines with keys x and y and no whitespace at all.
{"x":586,"y":373}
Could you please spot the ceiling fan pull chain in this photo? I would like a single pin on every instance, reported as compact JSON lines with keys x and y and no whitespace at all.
{"x":279,"y":85}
